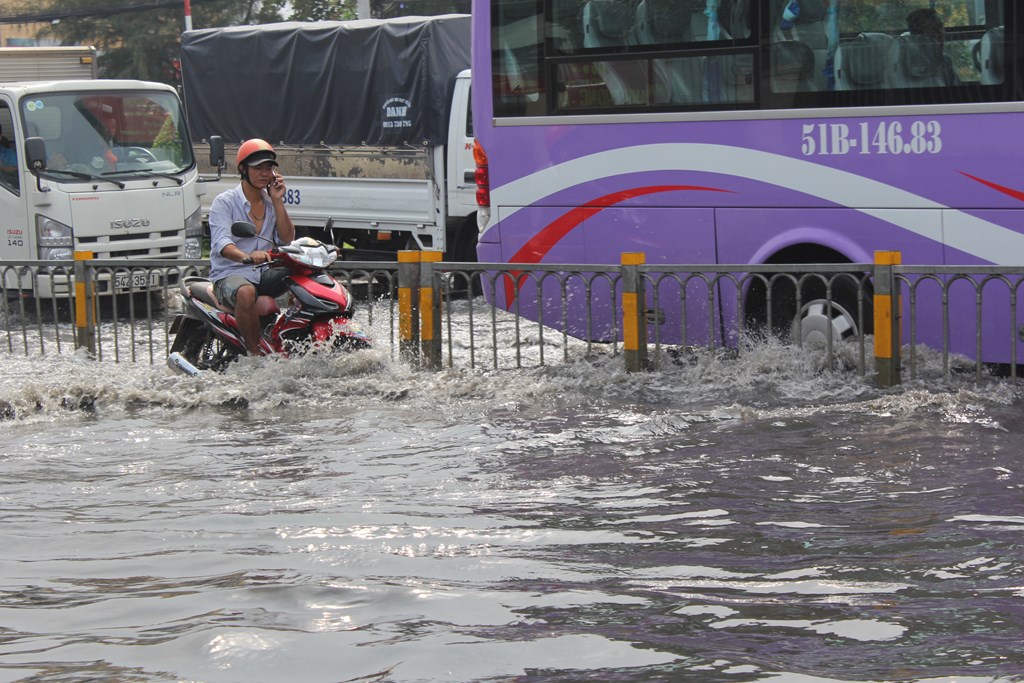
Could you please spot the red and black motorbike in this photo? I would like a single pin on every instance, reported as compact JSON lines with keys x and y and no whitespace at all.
{"x":318,"y":313}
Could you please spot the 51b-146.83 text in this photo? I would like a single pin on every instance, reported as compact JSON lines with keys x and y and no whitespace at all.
{"x":882,"y":137}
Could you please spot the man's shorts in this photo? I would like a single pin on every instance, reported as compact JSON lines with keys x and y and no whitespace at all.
{"x":272,"y":283}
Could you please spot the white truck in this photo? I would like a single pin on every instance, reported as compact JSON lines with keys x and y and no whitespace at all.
{"x":370,"y":120}
{"x":104,"y":166}
{"x":69,"y":62}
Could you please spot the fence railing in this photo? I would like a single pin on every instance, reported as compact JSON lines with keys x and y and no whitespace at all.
{"x":872,"y":318}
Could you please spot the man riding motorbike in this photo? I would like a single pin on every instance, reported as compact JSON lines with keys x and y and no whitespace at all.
{"x":258,"y":199}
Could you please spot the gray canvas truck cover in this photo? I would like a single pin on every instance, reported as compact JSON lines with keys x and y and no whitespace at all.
{"x":368,"y":81}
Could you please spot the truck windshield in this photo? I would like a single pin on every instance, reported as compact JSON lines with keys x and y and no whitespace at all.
{"x":97,"y":133}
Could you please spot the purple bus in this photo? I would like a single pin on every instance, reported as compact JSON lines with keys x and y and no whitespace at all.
{"x":741,"y":132}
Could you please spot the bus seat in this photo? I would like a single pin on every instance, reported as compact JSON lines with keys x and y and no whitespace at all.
{"x":610,"y":23}
{"x":676,"y":81}
{"x":993,"y":56}
{"x":661,"y":21}
{"x":792,"y":67}
{"x":739,"y":19}
{"x":865,"y":62}
{"x":920,"y":62}
{"x":679,"y":81}
{"x":809,"y":27}
{"x":567,"y":33}
{"x":730,"y":79}
{"x":698,"y":21}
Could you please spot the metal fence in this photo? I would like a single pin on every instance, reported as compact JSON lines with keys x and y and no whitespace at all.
{"x":875,"y":319}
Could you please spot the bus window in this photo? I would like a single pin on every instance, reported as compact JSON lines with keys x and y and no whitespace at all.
{"x":566,"y":57}
{"x":518,"y":86}
{"x":936,"y":46}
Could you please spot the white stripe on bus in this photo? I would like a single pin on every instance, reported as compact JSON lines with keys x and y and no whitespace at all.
{"x":972,"y":235}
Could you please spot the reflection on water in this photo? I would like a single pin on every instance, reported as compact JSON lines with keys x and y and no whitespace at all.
{"x":339,"y":519}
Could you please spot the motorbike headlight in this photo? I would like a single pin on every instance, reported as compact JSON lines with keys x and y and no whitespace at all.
{"x":317,"y":257}
{"x":194,"y":235}
{"x":54,"y":240}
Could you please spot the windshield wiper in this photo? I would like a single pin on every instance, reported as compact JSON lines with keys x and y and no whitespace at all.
{"x":148,"y":173}
{"x":83,"y":176}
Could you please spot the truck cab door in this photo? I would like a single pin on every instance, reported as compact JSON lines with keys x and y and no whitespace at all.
{"x":14,"y":235}
{"x":461,"y":167}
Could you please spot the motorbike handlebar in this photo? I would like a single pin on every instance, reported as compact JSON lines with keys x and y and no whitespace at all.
{"x":274,"y":255}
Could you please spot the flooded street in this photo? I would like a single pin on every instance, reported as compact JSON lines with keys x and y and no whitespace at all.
{"x":349,"y":518}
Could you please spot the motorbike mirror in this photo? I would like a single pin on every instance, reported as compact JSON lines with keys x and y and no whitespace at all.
{"x":243,"y":229}
{"x":329,"y":225}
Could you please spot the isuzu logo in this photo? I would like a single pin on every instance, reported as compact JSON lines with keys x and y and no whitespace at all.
{"x":125,"y":223}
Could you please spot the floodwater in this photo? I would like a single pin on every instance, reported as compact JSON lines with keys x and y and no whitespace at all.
{"x":351,"y":519}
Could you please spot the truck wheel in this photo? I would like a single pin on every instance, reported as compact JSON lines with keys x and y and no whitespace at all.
{"x":463,"y":250}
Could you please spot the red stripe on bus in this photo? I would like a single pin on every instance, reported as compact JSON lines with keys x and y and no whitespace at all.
{"x":538,"y":246}
{"x":1016,"y":194}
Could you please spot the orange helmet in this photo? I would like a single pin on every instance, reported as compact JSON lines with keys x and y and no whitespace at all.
{"x":254,"y":151}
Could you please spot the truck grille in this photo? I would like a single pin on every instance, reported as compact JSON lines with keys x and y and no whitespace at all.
{"x":163,"y":244}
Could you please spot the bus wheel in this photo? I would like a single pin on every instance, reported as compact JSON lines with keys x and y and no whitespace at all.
{"x":816,"y":316}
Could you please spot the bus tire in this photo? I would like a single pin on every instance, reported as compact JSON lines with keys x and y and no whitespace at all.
{"x":811,"y":322}
{"x":811,"y":325}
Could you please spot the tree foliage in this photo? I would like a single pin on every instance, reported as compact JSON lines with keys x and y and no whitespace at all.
{"x":322,"y":10}
{"x":399,"y":8}
{"x":146,"y":44}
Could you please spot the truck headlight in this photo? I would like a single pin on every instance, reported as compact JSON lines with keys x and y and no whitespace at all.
{"x":54,"y":240}
{"x":194,"y":235}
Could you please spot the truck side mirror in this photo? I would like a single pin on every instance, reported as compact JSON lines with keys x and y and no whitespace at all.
{"x":35,"y":153}
{"x":217,"y":152}
{"x":35,"y":157}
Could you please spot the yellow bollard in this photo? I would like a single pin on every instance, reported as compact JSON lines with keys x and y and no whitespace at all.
{"x":888,"y":306}
{"x":634,"y":312}
{"x":85,"y":303}
{"x":430,"y":309}
{"x":408,"y":313}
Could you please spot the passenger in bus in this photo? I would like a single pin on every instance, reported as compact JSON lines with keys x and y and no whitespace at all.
{"x":926,"y":24}
{"x":926,"y":21}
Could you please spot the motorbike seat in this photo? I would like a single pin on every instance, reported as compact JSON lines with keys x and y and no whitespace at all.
{"x":203,"y":290}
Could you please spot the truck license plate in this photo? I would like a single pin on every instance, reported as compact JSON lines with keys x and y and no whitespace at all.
{"x":134,"y":280}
